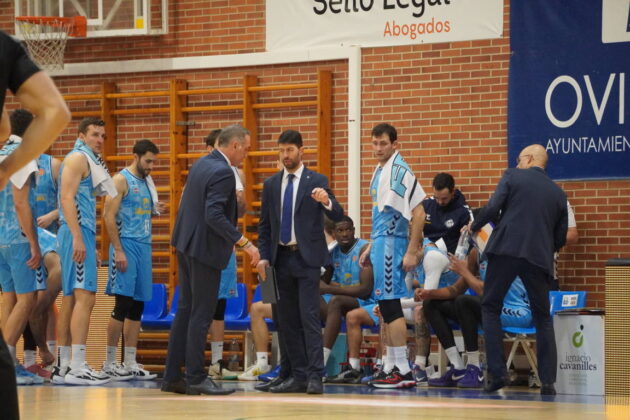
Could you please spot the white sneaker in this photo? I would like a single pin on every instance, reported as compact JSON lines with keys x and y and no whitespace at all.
{"x":59,"y":374}
{"x":219,"y":370}
{"x":117,"y":372}
{"x":252,"y":373}
{"x":85,"y":376}
{"x":139,"y":372}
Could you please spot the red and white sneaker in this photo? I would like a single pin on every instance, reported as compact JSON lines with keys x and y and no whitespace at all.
{"x":39,"y":370}
{"x":394,"y":380}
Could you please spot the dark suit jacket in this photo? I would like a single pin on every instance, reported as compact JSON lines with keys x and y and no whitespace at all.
{"x":534,"y":217}
{"x":308,"y":218}
{"x":205,"y":228}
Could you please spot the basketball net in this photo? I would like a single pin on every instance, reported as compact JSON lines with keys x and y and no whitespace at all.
{"x":46,"y":39}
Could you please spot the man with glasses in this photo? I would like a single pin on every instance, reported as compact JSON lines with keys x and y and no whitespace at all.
{"x":533,"y":225}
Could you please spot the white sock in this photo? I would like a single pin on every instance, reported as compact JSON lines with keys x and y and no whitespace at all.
{"x":389,"y":360}
{"x":78,"y":356}
{"x":378,"y":362}
{"x":327,"y":352}
{"x":455,"y":358}
{"x":29,"y":358}
{"x":262,"y":359}
{"x":355,"y":363}
{"x":472,"y":358}
{"x":64,"y":356}
{"x":52,"y":346}
{"x":12,"y":353}
{"x":130,"y":356}
{"x":434,"y":264}
{"x":401,"y":361}
{"x":421,"y":361}
{"x":110,"y":355}
{"x":217,"y":351}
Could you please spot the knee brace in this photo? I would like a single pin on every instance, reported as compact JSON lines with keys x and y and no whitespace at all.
{"x":434,"y":264}
{"x":219,"y":312}
{"x":122,"y":306}
{"x":135,"y":312}
{"x":390,"y":309}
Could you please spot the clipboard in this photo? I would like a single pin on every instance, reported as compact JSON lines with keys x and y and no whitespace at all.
{"x":269,"y":287}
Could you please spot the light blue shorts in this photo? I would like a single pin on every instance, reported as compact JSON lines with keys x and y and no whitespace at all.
{"x":389,"y":276}
{"x":136,"y":281}
{"x":47,"y":244}
{"x":370,"y":310}
{"x":517,"y":317}
{"x":227,"y":289}
{"x":15,"y":275}
{"x":73,"y":275}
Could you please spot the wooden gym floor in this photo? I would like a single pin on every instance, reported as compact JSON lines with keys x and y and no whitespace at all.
{"x":143,"y":400}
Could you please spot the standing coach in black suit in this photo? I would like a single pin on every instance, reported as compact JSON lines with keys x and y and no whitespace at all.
{"x":291,"y":239}
{"x":204,"y":235}
{"x":533,"y":226}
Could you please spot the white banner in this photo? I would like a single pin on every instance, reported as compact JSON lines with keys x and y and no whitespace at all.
{"x":295,"y":24}
{"x":580,"y":343}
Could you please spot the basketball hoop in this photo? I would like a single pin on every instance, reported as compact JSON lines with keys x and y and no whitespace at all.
{"x":46,"y":37}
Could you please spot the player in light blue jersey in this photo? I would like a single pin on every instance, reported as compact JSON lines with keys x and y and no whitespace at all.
{"x":350,"y":287}
{"x":83,"y":176}
{"x":453,"y":303}
{"x":127,"y":218}
{"x":19,"y":254}
{"x":396,"y":204}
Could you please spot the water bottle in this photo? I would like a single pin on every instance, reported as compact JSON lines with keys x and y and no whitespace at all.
{"x":462,"y":245}
{"x":233,"y":361}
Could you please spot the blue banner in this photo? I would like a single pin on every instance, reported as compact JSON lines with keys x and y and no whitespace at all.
{"x":569,"y":85}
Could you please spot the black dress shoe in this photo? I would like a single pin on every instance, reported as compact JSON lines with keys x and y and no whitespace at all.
{"x":207,"y":387}
{"x":178,"y":387}
{"x":315,"y":386}
{"x":289,"y":386}
{"x":547,"y":389}
{"x":264,"y":387}
{"x":495,"y":385}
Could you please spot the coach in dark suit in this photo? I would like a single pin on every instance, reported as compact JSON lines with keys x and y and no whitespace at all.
{"x":291,"y":238}
{"x":533,"y":226}
{"x":204,"y":236}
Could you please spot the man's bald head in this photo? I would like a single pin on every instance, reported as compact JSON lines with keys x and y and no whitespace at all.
{"x":533,"y":155}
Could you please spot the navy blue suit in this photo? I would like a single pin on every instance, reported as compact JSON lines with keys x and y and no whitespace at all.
{"x":204,"y":237}
{"x":533,"y":226}
{"x":298,"y":270}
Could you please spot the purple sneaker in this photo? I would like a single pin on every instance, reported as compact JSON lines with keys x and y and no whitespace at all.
{"x":449,"y":379}
{"x":472,"y":379}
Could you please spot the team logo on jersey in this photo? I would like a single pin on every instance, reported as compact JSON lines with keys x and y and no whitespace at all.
{"x":428,"y":218}
{"x":378,"y":292}
{"x":337,"y":265}
{"x":136,"y":190}
{"x":42,"y":172}
{"x":354,"y":258}
{"x":449,"y":223}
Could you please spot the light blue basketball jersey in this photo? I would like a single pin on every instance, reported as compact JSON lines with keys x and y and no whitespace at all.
{"x":346,"y":266}
{"x":388,"y":222}
{"x":85,"y":200}
{"x":134,"y":215}
{"x":46,"y":191}
{"x":10,"y":230}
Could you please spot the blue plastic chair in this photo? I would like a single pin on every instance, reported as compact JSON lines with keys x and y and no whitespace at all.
{"x":156,"y":307}
{"x":558,"y":300}
{"x":166,"y":321}
{"x":236,"y":308}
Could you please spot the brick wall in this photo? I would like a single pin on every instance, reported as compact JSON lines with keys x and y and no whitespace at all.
{"x":449,"y":102}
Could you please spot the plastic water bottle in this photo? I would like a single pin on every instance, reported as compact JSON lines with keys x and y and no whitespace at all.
{"x":233,"y":361}
{"x":462,"y":245}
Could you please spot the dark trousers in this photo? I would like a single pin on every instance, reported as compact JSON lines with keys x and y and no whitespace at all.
{"x":8,"y":387}
{"x":502,"y":270}
{"x":285,"y":363}
{"x":298,"y":310}
{"x":464,"y":309}
{"x":198,"y":291}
